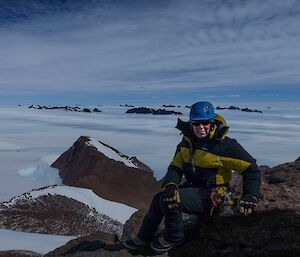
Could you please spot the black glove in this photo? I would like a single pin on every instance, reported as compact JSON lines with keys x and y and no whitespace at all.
{"x":171,"y":196}
{"x":248,"y":204}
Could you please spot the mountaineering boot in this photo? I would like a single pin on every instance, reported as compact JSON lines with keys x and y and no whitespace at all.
{"x":160,"y":245}
{"x":135,"y":243}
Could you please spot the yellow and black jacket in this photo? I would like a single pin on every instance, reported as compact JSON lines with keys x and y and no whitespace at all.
{"x":209,"y":163}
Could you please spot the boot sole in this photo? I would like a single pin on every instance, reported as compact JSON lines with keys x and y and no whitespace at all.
{"x":165,"y":249}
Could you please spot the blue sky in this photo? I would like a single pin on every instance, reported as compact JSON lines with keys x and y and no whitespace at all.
{"x":138,"y":51}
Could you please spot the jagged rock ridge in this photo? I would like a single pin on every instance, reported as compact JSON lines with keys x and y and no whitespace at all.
{"x":66,"y":108}
{"x":235,"y":108}
{"x":146,"y":110}
{"x":54,"y":214}
{"x":92,"y":164}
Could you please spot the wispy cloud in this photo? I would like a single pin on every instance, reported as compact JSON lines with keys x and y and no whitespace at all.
{"x":115,"y":46}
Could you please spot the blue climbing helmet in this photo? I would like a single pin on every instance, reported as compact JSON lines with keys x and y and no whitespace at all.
{"x":202,"y":111}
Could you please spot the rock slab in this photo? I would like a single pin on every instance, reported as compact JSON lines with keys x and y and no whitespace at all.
{"x":83,"y":165}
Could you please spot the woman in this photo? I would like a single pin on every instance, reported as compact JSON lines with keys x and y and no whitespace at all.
{"x":206,"y":158}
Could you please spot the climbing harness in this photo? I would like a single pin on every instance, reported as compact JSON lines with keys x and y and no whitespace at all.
{"x":220,"y":197}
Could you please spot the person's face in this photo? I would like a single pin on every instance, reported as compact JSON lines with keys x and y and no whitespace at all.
{"x":201,"y":129}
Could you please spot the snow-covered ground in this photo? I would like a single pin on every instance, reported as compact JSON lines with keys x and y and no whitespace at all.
{"x":32,"y":139}
{"x":114,"y":210}
{"x":110,"y":153}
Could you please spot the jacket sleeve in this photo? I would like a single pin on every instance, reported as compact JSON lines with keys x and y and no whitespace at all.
{"x":251,"y":180}
{"x":175,"y":169}
{"x":243,"y":163}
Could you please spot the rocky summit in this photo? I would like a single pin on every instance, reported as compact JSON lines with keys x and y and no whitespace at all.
{"x":45,"y":211}
{"x":273,"y":231}
{"x":110,"y":174}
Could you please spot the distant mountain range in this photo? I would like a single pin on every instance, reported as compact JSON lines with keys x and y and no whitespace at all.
{"x":66,"y":108}
{"x":139,"y":110}
{"x":234,"y":108}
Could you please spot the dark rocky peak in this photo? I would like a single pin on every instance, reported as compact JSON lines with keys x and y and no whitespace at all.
{"x":66,"y":108}
{"x":86,"y":110}
{"x":140,"y":110}
{"x":96,"y":110}
{"x":57,"y":210}
{"x":146,"y":110}
{"x":126,"y":105}
{"x":108,"y":172}
{"x":231,"y":107}
{"x":35,"y":107}
{"x":236,"y":108}
{"x":165,"y":112}
{"x":168,"y":105}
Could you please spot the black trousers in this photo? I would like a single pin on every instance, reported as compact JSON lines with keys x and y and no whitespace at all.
{"x":193,"y":200}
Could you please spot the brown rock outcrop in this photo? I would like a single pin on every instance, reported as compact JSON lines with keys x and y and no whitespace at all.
{"x":85,"y":244}
{"x":131,"y":227}
{"x":271,"y":232}
{"x":84,"y":166}
{"x":54,"y":214}
{"x":98,"y":245}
